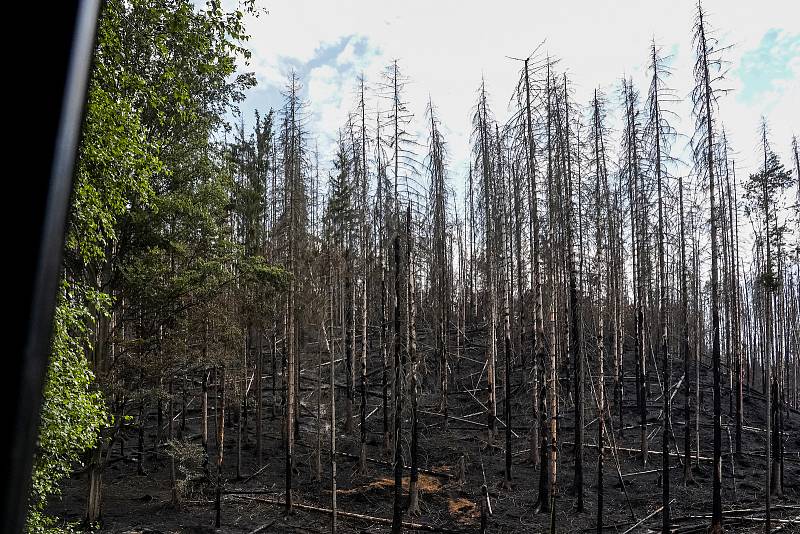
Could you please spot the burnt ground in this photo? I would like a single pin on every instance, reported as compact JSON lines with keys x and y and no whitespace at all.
{"x":142,"y":503}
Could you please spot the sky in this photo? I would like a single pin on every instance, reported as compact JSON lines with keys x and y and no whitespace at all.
{"x":446,"y":47}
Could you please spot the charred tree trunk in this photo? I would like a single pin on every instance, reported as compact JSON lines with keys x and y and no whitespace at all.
{"x":705,"y":94}
{"x":220,"y":376}
{"x":397,"y":510}
{"x":411,"y":313}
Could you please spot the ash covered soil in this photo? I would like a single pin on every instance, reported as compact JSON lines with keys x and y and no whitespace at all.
{"x":142,"y":503}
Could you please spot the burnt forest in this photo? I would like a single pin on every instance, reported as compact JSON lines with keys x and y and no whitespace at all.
{"x":580,"y":314}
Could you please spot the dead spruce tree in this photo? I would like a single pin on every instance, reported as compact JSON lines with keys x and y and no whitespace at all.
{"x":548,"y":489}
{"x":483,"y":152}
{"x":400,"y":358}
{"x":291,"y":232}
{"x":439,"y":268}
{"x":707,"y":70}
{"x":685,"y":345}
{"x":383,"y":210}
{"x":660,"y":134}
{"x":414,"y":370}
{"x":339,"y":219}
{"x":400,"y":144}
{"x":361,"y":171}
{"x":733,"y":290}
{"x":639,"y":216}
{"x":537,"y":345}
{"x":504,"y":286}
{"x":600,"y":198}
{"x":575,"y":308}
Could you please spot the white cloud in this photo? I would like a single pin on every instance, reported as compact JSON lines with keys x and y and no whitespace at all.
{"x":348,"y":53}
{"x":323,"y":83}
{"x":445,"y":47}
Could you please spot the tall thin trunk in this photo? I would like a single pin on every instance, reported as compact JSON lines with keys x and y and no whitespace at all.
{"x":685,"y":345}
{"x":173,"y":479}
{"x":220,"y":379}
{"x":538,"y":335}
{"x":707,"y":96}
{"x":397,"y":510}
{"x":491,"y":270}
{"x":413,"y":490}
{"x":662,"y":300}
{"x":291,"y":399}
{"x":542,"y":354}
{"x":349,"y":326}
{"x":362,"y":462}
{"x":737,"y":310}
{"x":576,"y":325}
{"x":383,"y":336}
{"x":768,"y":333}
{"x":599,"y":303}
{"x":332,"y":402}
{"x":552,"y":380}
{"x":507,"y":386}
{"x":259,"y":398}
{"x":318,"y":394}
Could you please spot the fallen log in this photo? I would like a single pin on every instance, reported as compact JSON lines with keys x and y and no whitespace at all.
{"x":352,"y":515}
{"x":638,"y":451}
{"x":614,"y":526}
{"x":740,"y":512}
{"x":263,"y":527}
{"x":249,"y":478}
{"x":795,"y":521}
{"x":651,"y":514}
{"x":389,"y":464}
{"x":648,"y":472}
{"x":247,"y":492}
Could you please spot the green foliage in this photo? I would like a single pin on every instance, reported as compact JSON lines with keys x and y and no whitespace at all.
{"x":256,"y":270}
{"x":117,"y":157}
{"x":764,"y":193}
{"x":763,"y":188}
{"x":339,"y":211}
{"x":177,"y":249}
{"x":72,"y":412}
{"x":114,"y":168}
{"x":189,"y":458}
{"x":115,"y":164}
{"x":150,"y":216}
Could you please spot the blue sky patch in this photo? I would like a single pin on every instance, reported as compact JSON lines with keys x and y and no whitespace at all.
{"x":771,"y":61}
